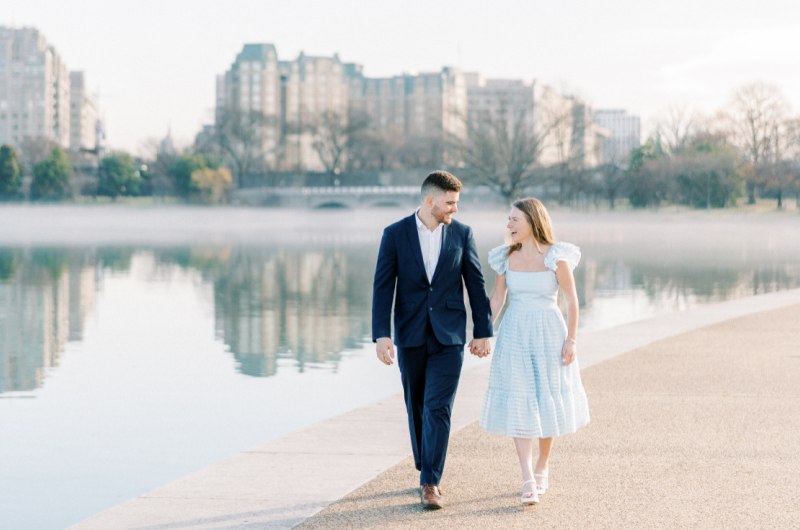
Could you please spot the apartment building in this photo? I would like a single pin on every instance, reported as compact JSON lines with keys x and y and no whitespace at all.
{"x":625,"y":134}
{"x":249,"y":97}
{"x":286,"y":102}
{"x":84,"y":117}
{"x":34,"y":89}
{"x":588,"y":140}
{"x":306,"y":99}
{"x":507,"y":103}
{"x":315,"y":97}
{"x":561,"y":125}
{"x":416,"y":109}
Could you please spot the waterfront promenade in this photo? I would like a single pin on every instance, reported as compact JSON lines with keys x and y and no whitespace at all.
{"x":695,"y":424}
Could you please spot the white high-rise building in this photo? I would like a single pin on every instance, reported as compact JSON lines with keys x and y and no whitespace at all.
{"x":34,"y":89}
{"x":624,"y":134}
{"x":83,"y":116}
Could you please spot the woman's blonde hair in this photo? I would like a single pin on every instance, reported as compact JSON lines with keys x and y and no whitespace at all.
{"x":538,"y":219}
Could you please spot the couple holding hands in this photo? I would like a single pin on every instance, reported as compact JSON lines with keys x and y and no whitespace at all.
{"x":535,"y":391}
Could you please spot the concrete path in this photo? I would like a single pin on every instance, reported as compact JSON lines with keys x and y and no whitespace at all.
{"x":696,"y":430}
{"x":701,"y":430}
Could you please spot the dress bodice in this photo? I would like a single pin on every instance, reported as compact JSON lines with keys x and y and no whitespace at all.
{"x":531,"y":290}
{"x":534,"y":290}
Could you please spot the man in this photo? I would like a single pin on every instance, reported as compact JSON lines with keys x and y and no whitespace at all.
{"x":421,"y":263}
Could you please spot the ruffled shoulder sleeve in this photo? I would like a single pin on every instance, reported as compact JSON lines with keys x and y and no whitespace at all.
{"x":498,"y":259}
{"x":562,"y":251}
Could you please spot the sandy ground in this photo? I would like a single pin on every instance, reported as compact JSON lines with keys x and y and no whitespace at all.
{"x":701,"y":430}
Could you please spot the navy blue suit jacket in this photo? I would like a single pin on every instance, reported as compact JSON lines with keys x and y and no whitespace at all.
{"x":400,"y":276}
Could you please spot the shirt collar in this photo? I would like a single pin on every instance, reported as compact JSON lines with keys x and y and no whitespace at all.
{"x":422,"y":226}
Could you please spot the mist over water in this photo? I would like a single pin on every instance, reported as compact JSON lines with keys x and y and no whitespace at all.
{"x":138,"y":344}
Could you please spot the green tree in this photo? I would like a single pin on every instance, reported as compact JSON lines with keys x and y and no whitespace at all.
{"x":180,"y":172}
{"x":10,"y":174}
{"x":51,"y":177}
{"x":211,"y":184}
{"x":709,"y":179}
{"x":118,"y":176}
{"x":645,"y":179}
{"x":612,"y":182}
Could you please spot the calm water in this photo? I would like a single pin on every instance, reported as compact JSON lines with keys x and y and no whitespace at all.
{"x":124,"y":366}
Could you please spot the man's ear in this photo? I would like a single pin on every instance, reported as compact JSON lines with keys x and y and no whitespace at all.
{"x":429,"y":200}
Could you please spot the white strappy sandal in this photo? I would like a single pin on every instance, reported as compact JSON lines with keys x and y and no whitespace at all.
{"x":542,"y":482}
{"x":529,"y":498}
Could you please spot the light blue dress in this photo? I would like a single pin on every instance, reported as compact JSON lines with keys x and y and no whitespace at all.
{"x":531,"y":393}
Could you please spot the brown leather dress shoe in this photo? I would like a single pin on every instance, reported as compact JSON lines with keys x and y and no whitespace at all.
{"x":430,"y":497}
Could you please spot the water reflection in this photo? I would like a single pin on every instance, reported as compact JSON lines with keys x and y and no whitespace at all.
{"x":305,"y":307}
{"x":299,"y":304}
{"x":45,"y":297}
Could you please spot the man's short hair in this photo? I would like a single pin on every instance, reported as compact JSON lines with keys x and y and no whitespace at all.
{"x":442,"y":181}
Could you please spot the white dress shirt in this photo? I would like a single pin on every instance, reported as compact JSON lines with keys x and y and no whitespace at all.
{"x":430,"y":241}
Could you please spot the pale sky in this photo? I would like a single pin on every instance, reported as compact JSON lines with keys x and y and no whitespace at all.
{"x":153,"y":63}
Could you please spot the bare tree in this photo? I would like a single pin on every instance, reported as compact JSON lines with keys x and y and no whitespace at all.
{"x":784,"y":155}
{"x":335,"y":136}
{"x":421,"y":151}
{"x":756,"y":114}
{"x":241,"y":138}
{"x":373,"y":149}
{"x":504,"y":147}
{"x":34,"y":149}
{"x":158,"y":160}
{"x":676,"y":128}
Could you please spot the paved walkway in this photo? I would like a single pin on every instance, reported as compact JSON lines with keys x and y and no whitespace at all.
{"x":692,"y":426}
{"x":701,"y":430}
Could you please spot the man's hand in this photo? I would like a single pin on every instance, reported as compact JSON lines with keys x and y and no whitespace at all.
{"x":480,"y":347}
{"x":384,"y":349}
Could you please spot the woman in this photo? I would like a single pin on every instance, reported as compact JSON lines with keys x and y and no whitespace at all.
{"x":535,"y":389}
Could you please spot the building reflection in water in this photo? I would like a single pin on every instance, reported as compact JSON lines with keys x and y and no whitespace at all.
{"x":45,"y":297}
{"x":305,"y":305}
{"x":300,"y":308}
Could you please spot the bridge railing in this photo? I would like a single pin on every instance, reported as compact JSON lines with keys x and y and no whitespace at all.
{"x":360,"y":190}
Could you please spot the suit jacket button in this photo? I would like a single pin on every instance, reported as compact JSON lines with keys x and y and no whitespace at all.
{"x":430,"y":309}
{"x":430,"y":289}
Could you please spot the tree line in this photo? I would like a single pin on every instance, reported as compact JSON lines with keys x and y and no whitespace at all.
{"x":748,"y":150}
{"x":53,"y":176}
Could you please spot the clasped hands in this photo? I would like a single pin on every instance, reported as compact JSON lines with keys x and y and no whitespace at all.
{"x":384,"y":349}
{"x":480,"y":347}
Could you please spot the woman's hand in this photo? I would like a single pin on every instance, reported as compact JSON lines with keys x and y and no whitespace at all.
{"x":480,"y":347}
{"x":568,"y":352}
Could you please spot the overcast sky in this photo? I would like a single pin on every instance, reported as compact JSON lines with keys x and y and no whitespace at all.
{"x":153,"y":63}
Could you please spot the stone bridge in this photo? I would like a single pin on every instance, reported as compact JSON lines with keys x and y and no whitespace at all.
{"x":332,"y":196}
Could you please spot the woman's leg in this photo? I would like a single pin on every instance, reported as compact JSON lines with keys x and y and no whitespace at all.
{"x":525,"y":453}
{"x":545,"y":445}
{"x":529,"y":487}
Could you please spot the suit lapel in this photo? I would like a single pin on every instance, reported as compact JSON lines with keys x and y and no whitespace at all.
{"x":446,"y":242}
{"x":413,"y":242}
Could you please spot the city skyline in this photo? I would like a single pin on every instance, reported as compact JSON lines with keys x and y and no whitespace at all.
{"x":156,"y":73}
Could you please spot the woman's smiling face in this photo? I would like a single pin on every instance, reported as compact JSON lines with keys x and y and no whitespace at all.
{"x":518,"y":226}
